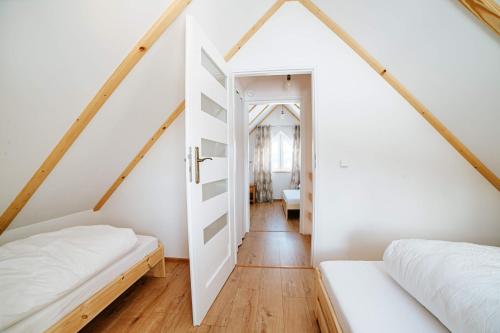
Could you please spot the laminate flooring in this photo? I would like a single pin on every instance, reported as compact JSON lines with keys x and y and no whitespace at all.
{"x":274,"y":241}
{"x":270,"y":290}
{"x":252,"y":300}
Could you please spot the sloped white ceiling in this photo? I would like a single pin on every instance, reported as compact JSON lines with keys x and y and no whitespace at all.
{"x":443,"y":54}
{"x":402,"y":180}
{"x":60,"y":54}
{"x":262,"y":111}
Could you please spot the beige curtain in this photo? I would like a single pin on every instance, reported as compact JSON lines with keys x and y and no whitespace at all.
{"x":295,"y":182}
{"x":262,"y":164}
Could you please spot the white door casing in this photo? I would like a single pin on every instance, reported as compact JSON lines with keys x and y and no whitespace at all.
{"x":207,"y":117}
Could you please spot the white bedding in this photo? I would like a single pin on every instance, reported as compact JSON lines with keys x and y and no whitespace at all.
{"x":367,"y":299}
{"x":292,"y":198}
{"x":458,"y":282}
{"x":39,"y":270}
{"x":48,"y":316}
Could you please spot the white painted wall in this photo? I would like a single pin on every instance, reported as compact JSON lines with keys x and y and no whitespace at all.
{"x":87,"y":217}
{"x":404,"y":179}
{"x":153,"y":199}
{"x":443,"y":54}
{"x":59,"y":55}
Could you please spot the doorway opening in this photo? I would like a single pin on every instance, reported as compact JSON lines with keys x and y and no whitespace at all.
{"x":274,"y":153}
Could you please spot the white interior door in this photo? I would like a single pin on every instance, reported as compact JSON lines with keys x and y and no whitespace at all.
{"x":207,"y":117}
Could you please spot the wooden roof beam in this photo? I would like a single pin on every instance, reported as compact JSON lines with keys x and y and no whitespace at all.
{"x":487,"y":11}
{"x":245,"y":38}
{"x":265,"y":117}
{"x":291,"y":113}
{"x":57,"y":153}
{"x":353,"y":44}
{"x":140,"y":155}
{"x":405,"y":93}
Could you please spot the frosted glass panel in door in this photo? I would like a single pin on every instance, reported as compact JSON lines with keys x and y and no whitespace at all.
{"x":212,"y":68}
{"x":213,"y":189}
{"x":213,"y":109}
{"x":210,"y":148}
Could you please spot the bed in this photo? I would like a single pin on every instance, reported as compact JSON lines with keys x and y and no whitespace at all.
{"x":291,"y":201}
{"x":359,"y":296}
{"x":421,"y":286}
{"x":72,"y":309}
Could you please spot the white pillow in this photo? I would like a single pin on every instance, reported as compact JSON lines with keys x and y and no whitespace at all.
{"x":458,"y":282}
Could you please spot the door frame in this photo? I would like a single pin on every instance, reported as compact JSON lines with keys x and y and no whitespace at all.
{"x":311,"y":70}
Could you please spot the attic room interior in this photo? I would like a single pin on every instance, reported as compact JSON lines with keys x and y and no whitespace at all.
{"x":250,"y":166}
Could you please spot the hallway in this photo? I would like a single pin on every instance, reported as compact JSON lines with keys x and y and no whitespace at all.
{"x":269,"y":217}
{"x":274,"y":241}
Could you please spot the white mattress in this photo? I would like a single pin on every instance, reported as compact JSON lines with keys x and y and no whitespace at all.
{"x":292,"y":198}
{"x":45,"y":318}
{"x":367,"y":299}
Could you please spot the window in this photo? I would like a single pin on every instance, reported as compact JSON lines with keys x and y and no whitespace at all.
{"x":281,"y":151}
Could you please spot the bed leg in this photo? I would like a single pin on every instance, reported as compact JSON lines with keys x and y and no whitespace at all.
{"x":158,"y":270}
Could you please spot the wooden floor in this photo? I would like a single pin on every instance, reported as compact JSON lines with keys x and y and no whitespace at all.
{"x":270,"y":217}
{"x":252,"y":300}
{"x":275,"y":249}
{"x":273,"y":240}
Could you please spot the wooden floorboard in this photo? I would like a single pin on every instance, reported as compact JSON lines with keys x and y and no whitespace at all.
{"x":252,"y":300}
{"x":270,"y":217}
{"x":275,"y":249}
{"x":274,"y":241}
{"x":255,"y":298}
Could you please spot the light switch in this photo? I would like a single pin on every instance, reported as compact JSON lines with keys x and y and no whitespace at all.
{"x":344,"y":164}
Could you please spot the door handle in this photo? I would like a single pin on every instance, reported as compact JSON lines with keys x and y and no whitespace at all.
{"x":197,"y":161}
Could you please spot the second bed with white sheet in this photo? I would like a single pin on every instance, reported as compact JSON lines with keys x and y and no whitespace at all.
{"x":366,"y":299}
{"x":291,"y":201}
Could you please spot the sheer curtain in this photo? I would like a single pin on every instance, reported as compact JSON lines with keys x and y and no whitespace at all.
{"x":262,"y":164}
{"x":295,"y":182}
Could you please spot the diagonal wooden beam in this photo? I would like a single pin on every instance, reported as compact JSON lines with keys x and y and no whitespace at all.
{"x":263,"y":119}
{"x":490,"y":176}
{"x":227,"y":57}
{"x":405,"y":93}
{"x":260,"y":113}
{"x":291,"y":113}
{"x":487,"y":11}
{"x":91,"y":110}
{"x":140,"y":155}
{"x":249,"y":34}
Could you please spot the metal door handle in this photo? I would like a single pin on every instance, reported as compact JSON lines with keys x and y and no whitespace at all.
{"x":197,"y":161}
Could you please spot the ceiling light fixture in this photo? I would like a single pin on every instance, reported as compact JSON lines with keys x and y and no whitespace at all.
{"x":288,"y":82}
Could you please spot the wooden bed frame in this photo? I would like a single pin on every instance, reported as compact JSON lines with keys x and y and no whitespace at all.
{"x":153,"y":264}
{"x":323,"y":308}
{"x":285,"y":208}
